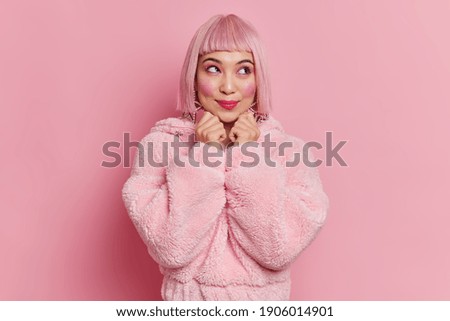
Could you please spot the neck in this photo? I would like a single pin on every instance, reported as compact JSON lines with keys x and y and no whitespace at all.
{"x":227,"y":127}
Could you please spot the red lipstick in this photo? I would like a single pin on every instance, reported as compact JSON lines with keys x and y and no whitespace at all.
{"x":228,"y":104}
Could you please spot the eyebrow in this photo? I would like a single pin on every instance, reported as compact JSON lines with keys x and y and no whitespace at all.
{"x":219,"y":62}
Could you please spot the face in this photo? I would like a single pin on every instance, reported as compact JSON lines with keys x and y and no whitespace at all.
{"x":225,"y":83}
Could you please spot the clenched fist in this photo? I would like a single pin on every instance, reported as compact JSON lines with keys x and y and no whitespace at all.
{"x":245,"y":129}
{"x":210,"y":129}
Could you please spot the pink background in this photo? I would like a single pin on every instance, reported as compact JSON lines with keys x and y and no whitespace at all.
{"x":77,"y":74}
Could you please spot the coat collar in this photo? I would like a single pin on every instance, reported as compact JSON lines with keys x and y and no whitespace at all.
{"x":179,"y":125}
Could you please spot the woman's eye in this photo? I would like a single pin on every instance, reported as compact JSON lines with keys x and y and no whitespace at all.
{"x":244,"y":71}
{"x":212,"y":69}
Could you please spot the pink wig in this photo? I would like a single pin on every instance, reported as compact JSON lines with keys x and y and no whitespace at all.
{"x":224,"y":33}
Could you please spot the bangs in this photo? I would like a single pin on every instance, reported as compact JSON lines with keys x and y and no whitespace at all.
{"x":228,"y":34}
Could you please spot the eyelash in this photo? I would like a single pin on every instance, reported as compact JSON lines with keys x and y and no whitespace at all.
{"x":247,"y":70}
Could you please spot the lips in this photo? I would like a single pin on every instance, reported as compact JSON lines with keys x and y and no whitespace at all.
{"x":228,"y":104}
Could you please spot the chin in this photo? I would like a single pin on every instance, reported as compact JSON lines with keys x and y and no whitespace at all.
{"x":228,"y":117}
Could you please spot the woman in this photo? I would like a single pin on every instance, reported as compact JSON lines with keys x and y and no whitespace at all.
{"x":222,"y":204}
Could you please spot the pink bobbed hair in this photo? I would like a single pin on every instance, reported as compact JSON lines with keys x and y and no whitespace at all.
{"x":224,"y":33}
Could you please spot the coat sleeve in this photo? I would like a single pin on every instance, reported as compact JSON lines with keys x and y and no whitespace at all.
{"x":274,"y":211}
{"x":173,"y":207}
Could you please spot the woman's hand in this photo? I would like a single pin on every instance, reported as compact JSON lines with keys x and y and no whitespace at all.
{"x":245,"y":129}
{"x":210,"y":129}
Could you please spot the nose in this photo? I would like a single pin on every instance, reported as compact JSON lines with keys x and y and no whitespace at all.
{"x":227,"y":85}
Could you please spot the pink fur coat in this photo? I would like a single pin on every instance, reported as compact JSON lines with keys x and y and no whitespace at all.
{"x":224,"y":232}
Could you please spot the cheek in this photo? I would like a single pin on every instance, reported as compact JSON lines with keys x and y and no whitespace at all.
{"x":205,"y":87}
{"x":249,"y":90}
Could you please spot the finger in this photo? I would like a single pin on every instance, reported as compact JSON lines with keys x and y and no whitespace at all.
{"x":214,"y":132}
{"x":248,"y":121}
{"x":238,"y":131}
{"x":245,"y":131}
{"x":206,"y":116}
{"x":251,"y":121}
{"x":204,"y":132}
{"x":242,"y":131}
{"x":250,"y":117}
{"x":215,"y":135}
{"x":208,"y":123}
{"x":233,"y":134}
{"x":200,"y":126}
{"x":213,"y":127}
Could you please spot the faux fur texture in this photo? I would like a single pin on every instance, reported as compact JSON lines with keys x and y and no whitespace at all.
{"x":227,"y":232}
